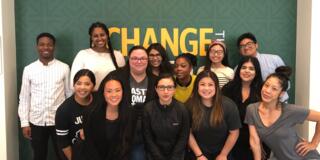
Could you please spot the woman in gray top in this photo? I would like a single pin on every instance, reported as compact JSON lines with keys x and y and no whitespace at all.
{"x":273,"y":122}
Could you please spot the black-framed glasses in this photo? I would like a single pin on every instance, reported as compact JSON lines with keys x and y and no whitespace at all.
{"x":217,"y":52}
{"x":163,"y":87}
{"x":136,"y":59}
{"x":249,"y":44}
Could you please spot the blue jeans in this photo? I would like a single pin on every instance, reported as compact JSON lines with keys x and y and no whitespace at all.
{"x":138,"y":152}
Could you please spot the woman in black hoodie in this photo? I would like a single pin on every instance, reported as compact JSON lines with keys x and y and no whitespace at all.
{"x":165,"y":123}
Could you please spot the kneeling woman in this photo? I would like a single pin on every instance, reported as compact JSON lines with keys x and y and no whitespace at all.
{"x":108,"y":128}
{"x":69,"y":114}
{"x":165,"y":123}
{"x":273,"y":122}
{"x":215,"y":120}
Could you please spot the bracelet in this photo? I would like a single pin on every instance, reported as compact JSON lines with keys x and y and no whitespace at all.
{"x":200,"y":155}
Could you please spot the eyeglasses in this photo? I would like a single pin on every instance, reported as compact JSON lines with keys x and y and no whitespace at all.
{"x":216,"y":52}
{"x":136,"y":59}
{"x":162,"y":88}
{"x":249,"y":44}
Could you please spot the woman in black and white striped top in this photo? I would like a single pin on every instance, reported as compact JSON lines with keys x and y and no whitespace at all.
{"x":217,"y":62}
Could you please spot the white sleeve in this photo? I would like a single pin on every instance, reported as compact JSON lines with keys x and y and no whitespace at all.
{"x":279,"y":62}
{"x":229,"y":73}
{"x":77,"y":64}
{"x":67,"y":82}
{"x":24,"y":99}
{"x":119,"y":58}
{"x":200,"y":69}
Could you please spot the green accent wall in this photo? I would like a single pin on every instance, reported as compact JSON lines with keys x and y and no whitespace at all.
{"x":272,"y":21}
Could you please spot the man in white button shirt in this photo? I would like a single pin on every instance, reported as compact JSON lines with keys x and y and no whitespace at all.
{"x":45,"y":85}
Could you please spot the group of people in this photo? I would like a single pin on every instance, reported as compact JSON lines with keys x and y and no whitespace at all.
{"x":146,"y":108}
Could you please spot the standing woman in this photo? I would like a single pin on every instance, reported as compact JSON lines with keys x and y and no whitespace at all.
{"x":244,"y":89}
{"x":183,"y":66}
{"x":273,"y":122}
{"x":69,"y":116}
{"x":138,"y":89}
{"x":100,"y":58}
{"x":158,"y":59}
{"x":217,"y":62}
{"x":108,"y":128}
{"x":165,"y":123}
{"x":215,"y":120}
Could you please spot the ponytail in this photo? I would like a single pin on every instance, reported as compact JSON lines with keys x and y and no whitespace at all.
{"x":282,"y":73}
{"x":109,"y":46}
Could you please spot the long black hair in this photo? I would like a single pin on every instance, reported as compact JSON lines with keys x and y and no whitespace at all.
{"x":165,"y":66}
{"x":234,"y":87}
{"x":96,"y":122}
{"x":104,"y":27}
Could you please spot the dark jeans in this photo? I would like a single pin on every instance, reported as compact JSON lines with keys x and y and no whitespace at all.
{"x":39,"y":142}
{"x":138,"y":152}
{"x":191,"y":156}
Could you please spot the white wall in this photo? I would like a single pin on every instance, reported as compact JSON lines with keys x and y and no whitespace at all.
{"x":315,"y":61}
{"x":308,"y":60}
{"x":9,"y":147}
{"x":307,"y":71}
{"x":303,"y":57}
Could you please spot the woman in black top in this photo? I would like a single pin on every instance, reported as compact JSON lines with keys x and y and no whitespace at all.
{"x":108,"y":128}
{"x":69,"y":114}
{"x":215,"y":120}
{"x":244,"y":89}
{"x":165,"y":123}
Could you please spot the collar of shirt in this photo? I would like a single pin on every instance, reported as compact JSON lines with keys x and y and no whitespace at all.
{"x":49,"y":63}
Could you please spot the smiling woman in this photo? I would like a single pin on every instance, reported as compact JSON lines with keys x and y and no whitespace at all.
{"x":100,"y":58}
{"x":215,"y":120}
{"x":273,"y":122}
{"x":217,"y":61}
{"x":244,"y":89}
{"x":108,"y":128}
{"x":158,"y":59}
{"x":69,"y":116}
